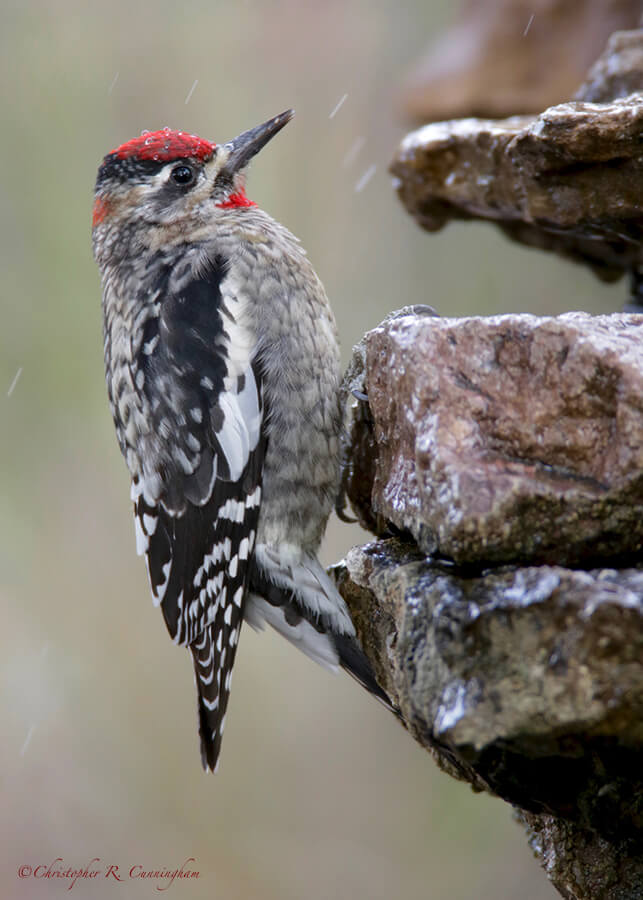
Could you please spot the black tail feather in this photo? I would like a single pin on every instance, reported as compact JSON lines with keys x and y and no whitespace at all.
{"x":353,"y":659}
{"x":213,"y":690}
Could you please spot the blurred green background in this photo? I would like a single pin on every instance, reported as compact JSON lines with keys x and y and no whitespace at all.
{"x":320,"y":794}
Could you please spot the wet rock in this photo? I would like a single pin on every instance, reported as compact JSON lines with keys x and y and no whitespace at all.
{"x":506,"y":439}
{"x":525,"y":682}
{"x":505,"y":457}
{"x":505,"y":454}
{"x":618,"y":72}
{"x":567,"y":180}
{"x":582,"y":864}
{"x":532,"y":677}
{"x":359,"y":448}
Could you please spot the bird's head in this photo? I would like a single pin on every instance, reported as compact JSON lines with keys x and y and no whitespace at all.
{"x":166,"y":176}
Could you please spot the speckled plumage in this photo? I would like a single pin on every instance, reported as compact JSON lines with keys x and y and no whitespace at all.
{"x":223,"y":369}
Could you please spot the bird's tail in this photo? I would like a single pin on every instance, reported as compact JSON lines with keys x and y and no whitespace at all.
{"x":354,"y":661}
{"x":212,"y":679}
{"x":301,"y":602}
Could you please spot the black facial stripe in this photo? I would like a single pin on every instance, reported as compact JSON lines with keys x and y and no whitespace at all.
{"x":223,"y":183}
{"x":115,"y":169}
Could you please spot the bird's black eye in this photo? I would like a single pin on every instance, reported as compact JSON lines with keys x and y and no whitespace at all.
{"x":183,"y":175}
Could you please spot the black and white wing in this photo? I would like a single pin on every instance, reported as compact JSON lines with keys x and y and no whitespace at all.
{"x":198,"y":493}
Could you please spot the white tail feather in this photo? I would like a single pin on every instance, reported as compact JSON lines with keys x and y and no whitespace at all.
{"x":303,"y":635}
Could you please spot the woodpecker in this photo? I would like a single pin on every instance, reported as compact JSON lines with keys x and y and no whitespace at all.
{"x":222,"y":368}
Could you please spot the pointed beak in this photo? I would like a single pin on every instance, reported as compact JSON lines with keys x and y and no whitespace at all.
{"x":244,"y":147}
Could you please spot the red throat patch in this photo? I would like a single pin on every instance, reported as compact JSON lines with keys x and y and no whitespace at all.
{"x":236,"y":200}
{"x":164,"y":146}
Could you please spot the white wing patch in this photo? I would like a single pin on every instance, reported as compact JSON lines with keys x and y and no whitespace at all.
{"x":239,"y":402}
{"x":242,"y":418}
